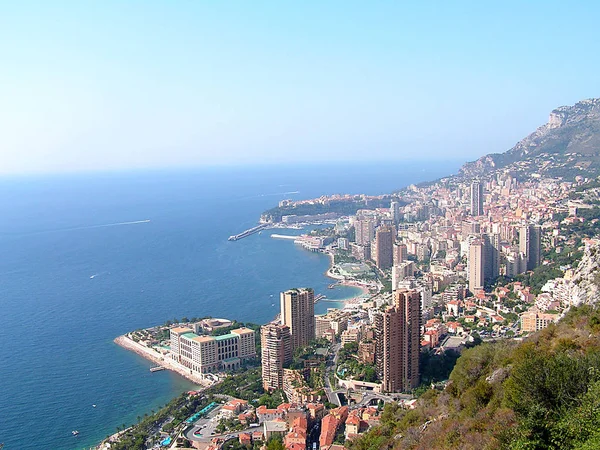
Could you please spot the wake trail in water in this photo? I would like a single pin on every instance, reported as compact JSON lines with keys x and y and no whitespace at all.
{"x":89,"y":227}
{"x":135,"y":222}
{"x":270,"y":194}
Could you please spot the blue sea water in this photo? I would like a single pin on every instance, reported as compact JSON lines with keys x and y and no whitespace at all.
{"x":85,"y":258}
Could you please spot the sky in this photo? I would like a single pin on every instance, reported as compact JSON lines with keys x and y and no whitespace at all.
{"x":148,"y":84}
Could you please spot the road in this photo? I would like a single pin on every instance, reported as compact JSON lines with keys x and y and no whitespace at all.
{"x":329,"y":369}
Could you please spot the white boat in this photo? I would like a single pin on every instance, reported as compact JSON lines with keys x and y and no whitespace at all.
{"x":74,"y":432}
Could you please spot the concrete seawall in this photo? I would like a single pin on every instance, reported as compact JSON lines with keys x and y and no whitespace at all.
{"x":161,"y":360}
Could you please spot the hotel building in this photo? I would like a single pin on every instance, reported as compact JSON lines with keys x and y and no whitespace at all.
{"x":208,"y":354}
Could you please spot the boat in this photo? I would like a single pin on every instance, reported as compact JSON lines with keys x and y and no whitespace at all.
{"x":156,"y":369}
{"x":74,"y":432}
{"x":93,"y":406}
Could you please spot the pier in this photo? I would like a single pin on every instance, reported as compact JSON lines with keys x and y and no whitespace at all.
{"x":284,"y":236}
{"x":247,"y":233}
{"x":320,"y":297}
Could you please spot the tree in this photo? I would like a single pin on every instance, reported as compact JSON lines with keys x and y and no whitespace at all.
{"x":275,"y":443}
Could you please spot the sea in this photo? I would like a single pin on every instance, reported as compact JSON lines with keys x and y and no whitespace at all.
{"x":87,"y":257}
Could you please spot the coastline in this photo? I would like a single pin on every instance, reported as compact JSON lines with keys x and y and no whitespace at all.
{"x":364,"y":286}
{"x":127,"y":343}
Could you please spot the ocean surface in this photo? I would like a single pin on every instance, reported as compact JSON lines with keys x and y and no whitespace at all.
{"x":85,"y":258}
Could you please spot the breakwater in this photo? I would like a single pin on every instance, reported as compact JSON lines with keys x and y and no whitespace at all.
{"x":248,"y":232}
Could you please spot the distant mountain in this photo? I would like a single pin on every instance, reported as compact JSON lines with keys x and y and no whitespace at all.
{"x":568,"y":145}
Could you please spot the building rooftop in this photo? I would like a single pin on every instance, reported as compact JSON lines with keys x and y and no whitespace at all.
{"x":180,"y":330}
{"x":242,"y":330}
{"x":273,"y":425}
{"x":203,"y":338}
{"x":224,"y":337}
{"x":190,"y":335}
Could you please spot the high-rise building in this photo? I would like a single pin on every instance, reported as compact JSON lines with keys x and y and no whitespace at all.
{"x":476,"y":198}
{"x":492,"y":256}
{"x":343,"y":243}
{"x":400,"y":253}
{"x":298,"y":313}
{"x":395,"y":212}
{"x":384,"y":244}
{"x":476,"y":265}
{"x":535,"y":247}
{"x":470,"y":227}
{"x":276,"y":348}
{"x":398,"y":342}
{"x":364,"y":231}
{"x":530,"y":244}
{"x":379,"y":338}
{"x":401,"y":272}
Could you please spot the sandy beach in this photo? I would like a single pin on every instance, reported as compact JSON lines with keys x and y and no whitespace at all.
{"x":363,"y":286}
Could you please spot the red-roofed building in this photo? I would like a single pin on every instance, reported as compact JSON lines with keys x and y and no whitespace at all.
{"x":265,"y":414}
{"x":316,"y":411}
{"x":454,"y":327}
{"x":354,"y":425}
{"x":340,"y":413}
{"x":257,"y":436}
{"x":432,"y":337}
{"x":329,"y":426}
{"x":246,"y":418}
{"x":296,"y":438}
{"x":369,"y":412}
{"x":245,"y":438}
{"x":453,"y":307}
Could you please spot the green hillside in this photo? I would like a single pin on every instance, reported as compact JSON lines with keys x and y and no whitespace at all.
{"x":541,"y":393}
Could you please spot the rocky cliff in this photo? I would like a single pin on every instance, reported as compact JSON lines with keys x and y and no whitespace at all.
{"x":570,"y":141}
{"x":585,"y":284}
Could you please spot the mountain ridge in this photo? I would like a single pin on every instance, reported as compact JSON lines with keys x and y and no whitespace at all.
{"x":568,"y":144}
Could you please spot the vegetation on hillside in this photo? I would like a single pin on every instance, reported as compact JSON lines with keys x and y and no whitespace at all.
{"x":542,"y":393}
{"x":342,"y":207}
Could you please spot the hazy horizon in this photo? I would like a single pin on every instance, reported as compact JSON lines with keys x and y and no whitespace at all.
{"x":150,"y":85}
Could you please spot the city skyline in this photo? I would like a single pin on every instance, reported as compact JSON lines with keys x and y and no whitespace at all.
{"x":113,"y":86}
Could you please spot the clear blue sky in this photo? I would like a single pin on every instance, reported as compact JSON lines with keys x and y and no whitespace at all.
{"x":133,"y":84}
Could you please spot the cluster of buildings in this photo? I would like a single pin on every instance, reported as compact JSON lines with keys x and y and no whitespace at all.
{"x":440,"y":247}
{"x":293,"y":423}
{"x":388,"y":337}
{"x":279,"y":340}
{"x":455,"y":230}
{"x":451,"y":239}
